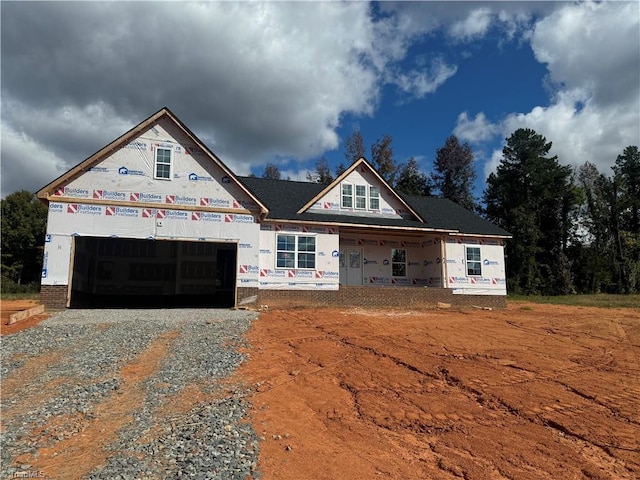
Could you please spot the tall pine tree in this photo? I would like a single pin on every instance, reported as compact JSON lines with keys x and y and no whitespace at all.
{"x":454,"y":173}
{"x":411,"y":180}
{"x":626,"y":219}
{"x":382,"y":159}
{"x":531,"y":195}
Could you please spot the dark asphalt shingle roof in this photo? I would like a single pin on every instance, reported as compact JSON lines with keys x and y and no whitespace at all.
{"x":284,"y":198}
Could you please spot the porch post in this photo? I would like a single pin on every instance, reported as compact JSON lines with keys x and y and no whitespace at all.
{"x":443,"y":263}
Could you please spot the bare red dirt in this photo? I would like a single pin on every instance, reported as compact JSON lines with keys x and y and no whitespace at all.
{"x":532,"y":392}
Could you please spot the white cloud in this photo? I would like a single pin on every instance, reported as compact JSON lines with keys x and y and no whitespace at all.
{"x":253,"y":80}
{"x":475,"y":25}
{"x":592,"y":52}
{"x":594,"y":47}
{"x":418,"y":83}
{"x":474,"y":130}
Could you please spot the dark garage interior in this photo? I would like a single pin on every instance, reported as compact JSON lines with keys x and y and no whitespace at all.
{"x":135,"y":273}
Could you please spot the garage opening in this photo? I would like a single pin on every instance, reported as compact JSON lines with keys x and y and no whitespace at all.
{"x":132,"y":273}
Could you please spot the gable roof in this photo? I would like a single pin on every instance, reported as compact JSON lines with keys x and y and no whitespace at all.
{"x":285,"y":198}
{"x":45,"y":192}
{"x":362,"y":163}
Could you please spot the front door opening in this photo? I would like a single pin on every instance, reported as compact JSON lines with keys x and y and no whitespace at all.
{"x":351,"y":266}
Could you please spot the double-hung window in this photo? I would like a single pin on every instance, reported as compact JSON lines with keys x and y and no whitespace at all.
{"x":163,"y":163}
{"x":347,"y":195}
{"x":474,"y":264}
{"x":361,"y":197}
{"x":295,"y":251}
{"x":399,"y":262}
{"x":374,"y":198}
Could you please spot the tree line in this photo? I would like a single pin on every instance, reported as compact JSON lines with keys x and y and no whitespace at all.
{"x":575,"y":229}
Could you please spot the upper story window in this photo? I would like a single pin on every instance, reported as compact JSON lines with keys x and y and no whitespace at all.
{"x":347,"y":195}
{"x":374,"y":198}
{"x":163,"y":164}
{"x":360,"y":196}
{"x":474,"y":264}
{"x":296,"y":251}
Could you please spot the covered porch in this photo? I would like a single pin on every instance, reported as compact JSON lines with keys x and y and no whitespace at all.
{"x":387,"y":257}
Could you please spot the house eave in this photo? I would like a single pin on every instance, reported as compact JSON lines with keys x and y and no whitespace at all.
{"x":362,"y":226}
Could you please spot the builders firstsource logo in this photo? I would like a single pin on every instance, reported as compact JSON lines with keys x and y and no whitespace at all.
{"x":74,"y":208}
{"x":122,"y":211}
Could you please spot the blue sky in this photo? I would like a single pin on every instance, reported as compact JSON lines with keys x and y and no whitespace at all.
{"x":489,"y":79}
{"x":287,"y":82}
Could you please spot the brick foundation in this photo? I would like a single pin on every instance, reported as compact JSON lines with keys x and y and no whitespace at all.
{"x":53,"y":297}
{"x":399,"y":297}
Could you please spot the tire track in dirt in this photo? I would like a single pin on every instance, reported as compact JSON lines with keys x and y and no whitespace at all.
{"x":80,"y":447}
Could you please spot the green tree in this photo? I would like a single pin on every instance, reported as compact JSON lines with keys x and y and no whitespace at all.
{"x":593,"y":255}
{"x":627,"y":174}
{"x":625,"y":218}
{"x":271,"y":171}
{"x":24,"y":221}
{"x":322,"y":174}
{"x":531,"y":195}
{"x":454,"y":173}
{"x":411,"y":180}
{"x":382,"y":158}
{"x":353,"y":148}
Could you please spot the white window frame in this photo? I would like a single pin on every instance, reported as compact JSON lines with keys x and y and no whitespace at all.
{"x":394,"y":262}
{"x":344,"y":196}
{"x":156,"y":163}
{"x":297,"y":252}
{"x":373,"y":197}
{"x":473,"y":261}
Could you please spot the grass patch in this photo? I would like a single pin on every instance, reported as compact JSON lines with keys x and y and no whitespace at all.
{"x":602,"y":300}
{"x":21,"y":296}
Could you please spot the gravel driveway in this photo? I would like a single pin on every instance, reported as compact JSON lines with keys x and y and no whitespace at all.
{"x":127,"y":394}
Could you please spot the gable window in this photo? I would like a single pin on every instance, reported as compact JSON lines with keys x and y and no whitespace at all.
{"x":347,"y":195}
{"x":296,"y":251}
{"x":361,"y":197}
{"x":163,"y":163}
{"x":374,"y":198}
{"x":474,"y":264}
{"x":399,"y":262}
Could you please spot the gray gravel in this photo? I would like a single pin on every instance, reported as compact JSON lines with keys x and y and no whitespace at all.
{"x":209,"y":441}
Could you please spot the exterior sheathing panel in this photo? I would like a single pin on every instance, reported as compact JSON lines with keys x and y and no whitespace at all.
{"x":127,"y":175}
{"x":325,"y":276}
{"x":492,"y":281}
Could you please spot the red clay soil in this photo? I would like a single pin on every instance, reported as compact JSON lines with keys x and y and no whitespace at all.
{"x":532,"y":392}
{"x":9,"y":307}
